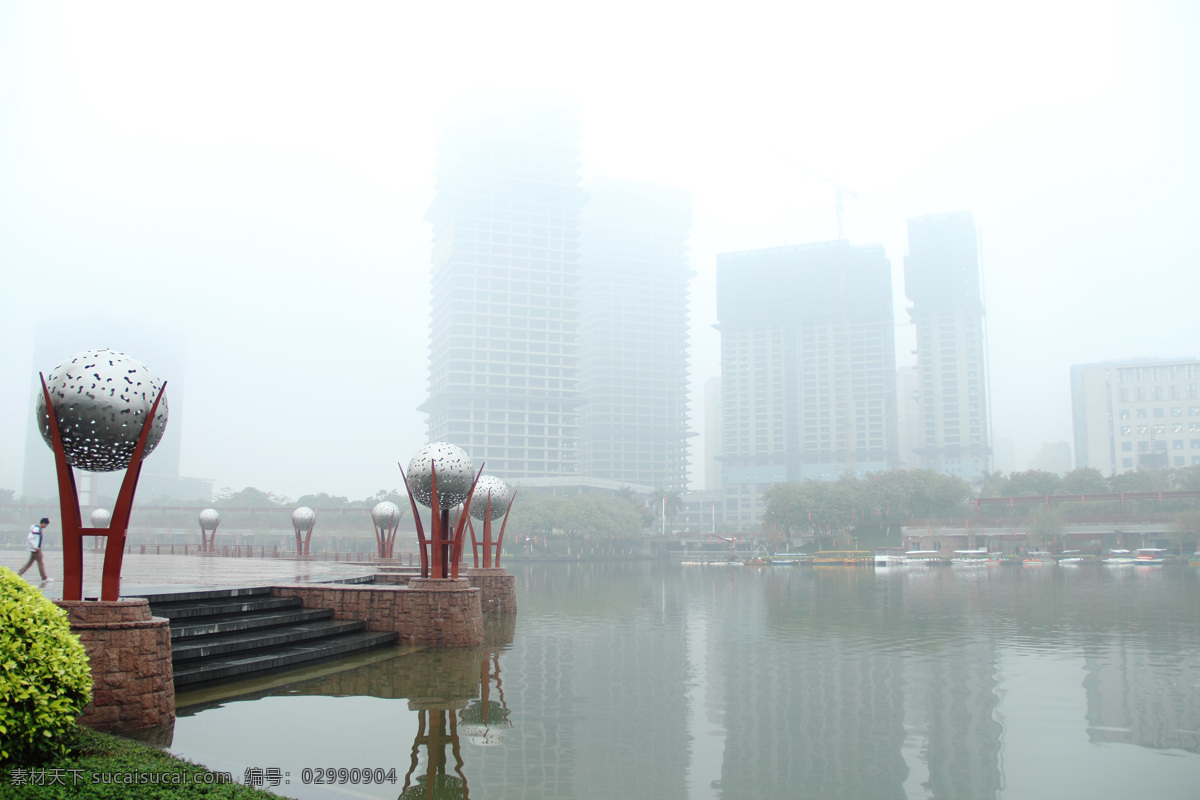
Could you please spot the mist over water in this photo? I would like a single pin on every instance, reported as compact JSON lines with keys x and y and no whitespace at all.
{"x":637,"y":680}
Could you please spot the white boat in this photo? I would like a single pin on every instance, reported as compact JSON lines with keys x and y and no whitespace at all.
{"x":924,"y":557}
{"x":977,"y":557}
{"x":1119,"y":558}
{"x":1149,"y":556}
{"x":889,"y":556}
{"x":1070,"y":557}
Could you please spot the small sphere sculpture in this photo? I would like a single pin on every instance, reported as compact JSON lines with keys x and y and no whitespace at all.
{"x":303,"y":517}
{"x":101,"y":398}
{"x":455,"y":473}
{"x":500,"y":492}
{"x":385,"y":514}
{"x":101,"y":518}
{"x":209,"y":519}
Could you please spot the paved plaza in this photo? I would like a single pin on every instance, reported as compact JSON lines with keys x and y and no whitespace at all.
{"x":158,"y":574}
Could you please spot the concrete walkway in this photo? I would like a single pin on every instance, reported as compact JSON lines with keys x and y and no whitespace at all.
{"x":160,"y":574}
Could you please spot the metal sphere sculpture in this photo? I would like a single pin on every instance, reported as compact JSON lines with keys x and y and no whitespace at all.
{"x":209,"y":518}
{"x":442,"y":477}
{"x":99,"y":411}
{"x":498,"y":491}
{"x":492,"y":500}
{"x":101,"y":518}
{"x":385,"y":518}
{"x":303,"y":520}
{"x":455,"y":474}
{"x":101,"y":398}
{"x":383,"y":514}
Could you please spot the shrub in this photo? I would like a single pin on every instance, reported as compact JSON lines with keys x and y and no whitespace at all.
{"x":44,"y":677}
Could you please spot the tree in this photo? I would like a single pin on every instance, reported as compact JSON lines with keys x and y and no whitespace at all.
{"x":1034,"y":482}
{"x":938,"y":495}
{"x":1086,"y":480}
{"x":789,"y":509}
{"x":7,"y":495}
{"x":250,"y":498}
{"x":1046,"y":527}
{"x":322,"y":500}
{"x":1135,"y":481}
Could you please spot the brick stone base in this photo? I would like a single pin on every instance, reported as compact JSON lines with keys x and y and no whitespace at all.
{"x":499,"y":589}
{"x":440,"y":613}
{"x":130,"y":655}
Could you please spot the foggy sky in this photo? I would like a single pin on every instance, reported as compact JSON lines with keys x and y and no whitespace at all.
{"x":254,"y":176}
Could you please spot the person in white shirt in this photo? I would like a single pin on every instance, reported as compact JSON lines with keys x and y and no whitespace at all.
{"x":33,"y":543}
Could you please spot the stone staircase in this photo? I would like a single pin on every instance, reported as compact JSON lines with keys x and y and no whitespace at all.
{"x":226,"y":634}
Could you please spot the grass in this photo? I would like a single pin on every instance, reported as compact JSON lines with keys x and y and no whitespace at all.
{"x":106,"y":766}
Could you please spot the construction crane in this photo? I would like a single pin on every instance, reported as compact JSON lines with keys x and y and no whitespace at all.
{"x":839,"y":197}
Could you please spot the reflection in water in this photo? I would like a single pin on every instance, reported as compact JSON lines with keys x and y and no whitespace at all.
{"x":437,"y":729}
{"x":484,"y":719}
{"x":644,"y":680}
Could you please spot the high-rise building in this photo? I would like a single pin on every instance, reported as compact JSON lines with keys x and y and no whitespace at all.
{"x":1137,"y":414}
{"x":808,"y":368}
{"x":559,"y":338}
{"x":504,"y":333}
{"x":942,"y":279}
{"x":633,"y":334}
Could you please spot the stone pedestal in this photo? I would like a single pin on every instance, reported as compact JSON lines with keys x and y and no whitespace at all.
{"x":498,"y":589}
{"x":448,"y":610}
{"x":440,"y":613}
{"x":130,"y":655}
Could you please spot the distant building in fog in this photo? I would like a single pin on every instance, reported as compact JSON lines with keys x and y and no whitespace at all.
{"x":908,"y":415}
{"x":808,"y":368}
{"x":633,"y":333}
{"x":504,"y":333}
{"x":1053,"y":457}
{"x":558,"y":341}
{"x":1136,"y":414}
{"x":942,"y":279}
{"x":712,"y":434}
{"x":1004,"y":457}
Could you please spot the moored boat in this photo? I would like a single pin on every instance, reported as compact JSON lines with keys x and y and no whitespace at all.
{"x":1149,"y":556}
{"x":1119,"y":558}
{"x":976,"y":557}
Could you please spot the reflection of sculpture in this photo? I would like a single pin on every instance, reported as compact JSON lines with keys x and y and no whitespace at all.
{"x":484,"y":719}
{"x":210,"y":519}
{"x":385,"y":518}
{"x":441,"y":477}
{"x":493,"y":499}
{"x":436,"y":728}
{"x":303,"y":520}
{"x":100,"y":411}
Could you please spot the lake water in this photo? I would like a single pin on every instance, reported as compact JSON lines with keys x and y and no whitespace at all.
{"x":646,"y":680}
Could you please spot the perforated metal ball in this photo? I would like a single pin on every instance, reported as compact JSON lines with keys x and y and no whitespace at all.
{"x":385,"y":514}
{"x":454,"y":474}
{"x":500,"y":493}
{"x":101,"y":398}
{"x":303,"y":517}
{"x":210,"y":518}
{"x":100,"y":518}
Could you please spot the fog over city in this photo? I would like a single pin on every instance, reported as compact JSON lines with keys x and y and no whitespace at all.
{"x":252,"y":178}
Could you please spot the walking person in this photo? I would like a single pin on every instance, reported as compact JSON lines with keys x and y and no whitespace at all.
{"x":33,"y":543}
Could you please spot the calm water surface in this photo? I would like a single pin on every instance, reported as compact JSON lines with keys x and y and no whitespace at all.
{"x":635,"y":680}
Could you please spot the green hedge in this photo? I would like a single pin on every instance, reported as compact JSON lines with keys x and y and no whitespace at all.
{"x":45,"y":681}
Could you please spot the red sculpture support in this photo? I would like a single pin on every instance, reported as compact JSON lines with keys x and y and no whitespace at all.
{"x":73,"y":530}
